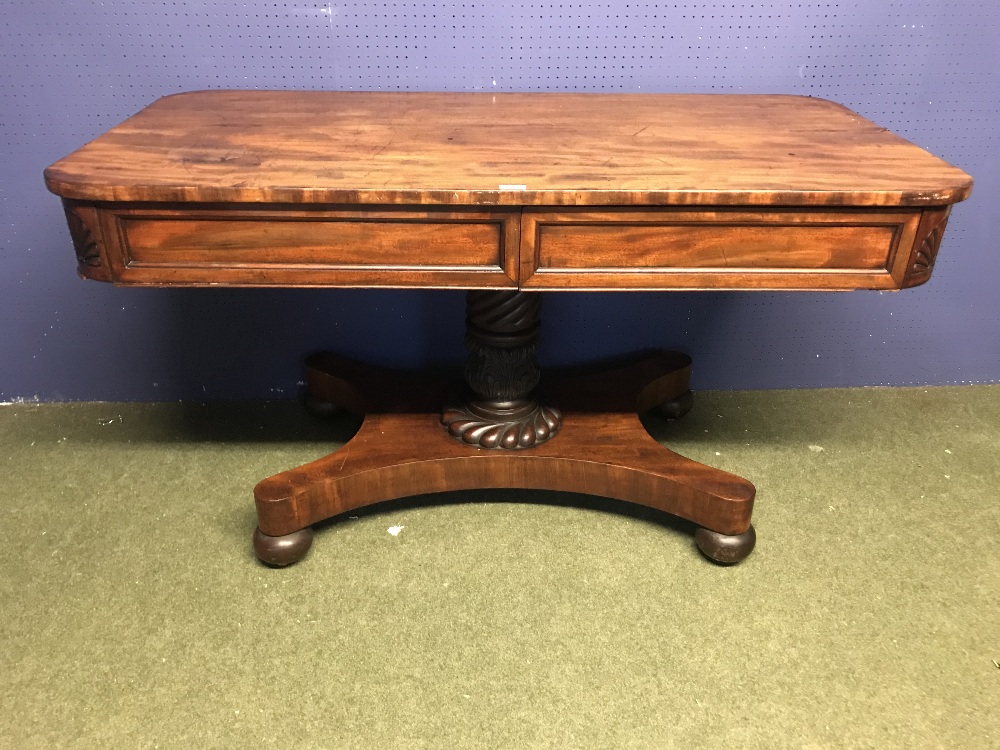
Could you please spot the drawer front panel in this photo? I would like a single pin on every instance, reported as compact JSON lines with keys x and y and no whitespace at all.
{"x":665,"y":249}
{"x":322,"y":248}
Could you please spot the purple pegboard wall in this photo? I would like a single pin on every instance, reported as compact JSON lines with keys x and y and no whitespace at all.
{"x":927,"y":69}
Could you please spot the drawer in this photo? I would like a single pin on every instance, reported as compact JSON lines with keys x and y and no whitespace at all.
{"x":688,"y":249}
{"x":252,"y":247}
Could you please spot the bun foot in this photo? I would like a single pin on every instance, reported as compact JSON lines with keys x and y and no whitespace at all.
{"x":676,"y":407}
{"x":279,"y":551}
{"x":727,"y":549}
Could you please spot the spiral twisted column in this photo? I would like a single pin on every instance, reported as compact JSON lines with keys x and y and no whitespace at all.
{"x":502,"y":371}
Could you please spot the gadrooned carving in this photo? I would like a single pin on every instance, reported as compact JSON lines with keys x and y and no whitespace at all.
{"x":84,"y":242}
{"x":527,"y":424}
{"x":502,"y":372}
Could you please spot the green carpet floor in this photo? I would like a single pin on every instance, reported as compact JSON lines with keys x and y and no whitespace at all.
{"x":133,"y":614}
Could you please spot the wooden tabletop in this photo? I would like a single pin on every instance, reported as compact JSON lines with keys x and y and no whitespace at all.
{"x":505,"y":150}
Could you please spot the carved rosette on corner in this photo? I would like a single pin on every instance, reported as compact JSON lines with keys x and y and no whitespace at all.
{"x":502,"y":372}
{"x":929,"y":236}
{"x":81,"y":221}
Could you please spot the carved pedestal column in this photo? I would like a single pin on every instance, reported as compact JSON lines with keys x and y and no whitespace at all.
{"x":502,"y":371}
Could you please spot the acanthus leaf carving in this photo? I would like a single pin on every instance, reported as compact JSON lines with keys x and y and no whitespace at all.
{"x":84,"y":242}
{"x":925,"y":255}
{"x":502,"y":372}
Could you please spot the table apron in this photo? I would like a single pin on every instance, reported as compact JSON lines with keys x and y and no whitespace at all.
{"x":501,"y":247}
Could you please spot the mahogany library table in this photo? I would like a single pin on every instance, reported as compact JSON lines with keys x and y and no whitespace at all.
{"x":507,"y":196}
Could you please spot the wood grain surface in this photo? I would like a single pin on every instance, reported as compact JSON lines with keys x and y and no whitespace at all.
{"x":671,"y":248}
{"x":504,"y":149}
